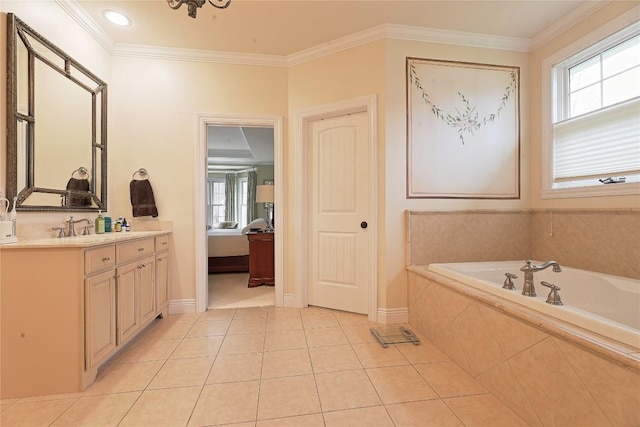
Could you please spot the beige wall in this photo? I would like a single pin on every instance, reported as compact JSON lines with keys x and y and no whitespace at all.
{"x":594,"y":21}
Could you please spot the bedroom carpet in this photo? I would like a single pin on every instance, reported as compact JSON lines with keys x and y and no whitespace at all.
{"x":231,"y":291}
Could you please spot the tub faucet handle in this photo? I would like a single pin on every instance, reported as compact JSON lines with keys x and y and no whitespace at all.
{"x":508,"y":283}
{"x":554,"y":296}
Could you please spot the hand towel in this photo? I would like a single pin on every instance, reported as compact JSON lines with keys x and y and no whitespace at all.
{"x":74,"y":199}
{"x":142,"y":201}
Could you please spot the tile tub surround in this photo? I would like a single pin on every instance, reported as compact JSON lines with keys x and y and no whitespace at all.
{"x":546,"y":372}
{"x":601,"y":240}
{"x":301,"y":367}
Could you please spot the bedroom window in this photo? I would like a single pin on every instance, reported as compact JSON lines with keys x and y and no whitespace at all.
{"x":243,"y":192}
{"x":215,"y":201}
{"x":592,"y":137}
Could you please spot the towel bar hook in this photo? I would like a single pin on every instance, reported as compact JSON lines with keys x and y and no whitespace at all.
{"x":82,"y":171}
{"x":142,"y":172}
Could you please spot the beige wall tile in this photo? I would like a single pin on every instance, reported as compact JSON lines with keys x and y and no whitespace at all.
{"x":555,"y":381}
{"x":346,"y":390}
{"x":616,"y":389}
{"x":375,"y":416}
{"x":285,"y":397}
{"x":427,"y":413}
{"x":168,"y":408}
{"x":226,"y":403}
{"x":484,"y":410}
{"x":236,"y":367}
{"x":397,"y":384}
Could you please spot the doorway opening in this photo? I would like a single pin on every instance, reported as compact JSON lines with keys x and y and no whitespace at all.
{"x":235,"y":155}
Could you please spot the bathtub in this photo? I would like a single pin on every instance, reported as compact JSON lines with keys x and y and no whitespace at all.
{"x":601,"y":303}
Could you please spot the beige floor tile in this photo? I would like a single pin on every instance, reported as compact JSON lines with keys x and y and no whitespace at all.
{"x":426,"y":413}
{"x":168,"y":330}
{"x":285,"y":397}
{"x":315,"y":310}
{"x":48,"y":397}
{"x":483,"y":410}
{"x":236,"y":344}
{"x":168,"y":407}
{"x":313,"y":420}
{"x":350,"y":319}
{"x":359,"y":334}
{"x":284,"y":340}
{"x":425,"y":352}
{"x":226,"y":403}
{"x":375,"y":356}
{"x":449,"y":380}
{"x":218,"y":314}
{"x":320,"y":320}
{"x":397,"y":384}
{"x":251,"y":325}
{"x":197,"y":347}
{"x":236,"y":367}
{"x":209,"y":328}
{"x":334,"y":358}
{"x":374,"y":416}
{"x":286,"y":363}
{"x":251,"y":312}
{"x":181,"y":317}
{"x":144,"y":350}
{"x":105,"y":410}
{"x":125,"y":377}
{"x":34,"y":413}
{"x":283,"y":312}
{"x":346,"y":390}
{"x":182,"y":373}
{"x":283,"y":323}
{"x":319,"y":337}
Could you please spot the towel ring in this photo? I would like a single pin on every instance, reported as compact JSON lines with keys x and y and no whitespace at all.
{"x":142,"y":172}
{"x":82,"y":172}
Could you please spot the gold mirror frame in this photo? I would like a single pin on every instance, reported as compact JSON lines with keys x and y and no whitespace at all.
{"x":24,"y":123}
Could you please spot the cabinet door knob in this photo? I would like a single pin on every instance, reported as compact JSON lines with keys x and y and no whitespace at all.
{"x":140,"y":249}
{"x":106,"y":259}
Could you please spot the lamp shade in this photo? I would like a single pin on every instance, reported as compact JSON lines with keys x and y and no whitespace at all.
{"x":264,"y":194}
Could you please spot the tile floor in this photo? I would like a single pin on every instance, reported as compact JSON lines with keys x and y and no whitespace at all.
{"x":230,"y":290}
{"x":266,"y":366}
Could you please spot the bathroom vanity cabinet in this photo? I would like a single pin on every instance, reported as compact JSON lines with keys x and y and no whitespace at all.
{"x":68,"y":305}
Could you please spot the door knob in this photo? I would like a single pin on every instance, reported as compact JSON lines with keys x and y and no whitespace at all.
{"x":364,"y":224}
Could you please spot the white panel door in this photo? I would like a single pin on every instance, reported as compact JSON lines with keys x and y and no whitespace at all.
{"x":339,"y":255}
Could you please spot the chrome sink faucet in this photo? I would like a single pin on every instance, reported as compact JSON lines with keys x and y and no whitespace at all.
{"x":72,"y":229}
{"x":529,"y":289}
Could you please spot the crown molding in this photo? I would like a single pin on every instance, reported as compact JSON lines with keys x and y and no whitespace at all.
{"x":197,"y":55}
{"x":73,"y":9}
{"x":566,"y":22}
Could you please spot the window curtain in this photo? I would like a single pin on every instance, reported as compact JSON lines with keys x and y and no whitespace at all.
{"x":252,"y":182}
{"x":230,"y":196}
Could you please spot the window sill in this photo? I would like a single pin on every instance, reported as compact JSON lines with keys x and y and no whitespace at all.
{"x":603,"y":190}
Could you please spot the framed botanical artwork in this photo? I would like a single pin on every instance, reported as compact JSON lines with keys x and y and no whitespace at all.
{"x":463,"y":130}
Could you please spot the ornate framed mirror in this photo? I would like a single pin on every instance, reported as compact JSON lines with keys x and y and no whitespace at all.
{"x":56,"y":126}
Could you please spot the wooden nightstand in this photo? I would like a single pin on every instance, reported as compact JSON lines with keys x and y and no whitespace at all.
{"x":261,"y":261}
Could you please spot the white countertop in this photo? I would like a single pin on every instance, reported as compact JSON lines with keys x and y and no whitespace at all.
{"x":83,"y":241}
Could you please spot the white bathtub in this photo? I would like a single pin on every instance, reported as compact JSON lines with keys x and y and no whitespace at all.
{"x":604,"y":304}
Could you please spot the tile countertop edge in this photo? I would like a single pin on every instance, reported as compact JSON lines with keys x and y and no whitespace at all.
{"x":83,"y":241}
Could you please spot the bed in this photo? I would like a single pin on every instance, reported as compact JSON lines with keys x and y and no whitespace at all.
{"x":228,"y":250}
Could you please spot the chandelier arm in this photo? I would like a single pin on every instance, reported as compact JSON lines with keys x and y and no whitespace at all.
{"x":220,"y":6}
{"x":174,"y":4}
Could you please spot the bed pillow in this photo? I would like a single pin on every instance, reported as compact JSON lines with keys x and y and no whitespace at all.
{"x":256,"y":223}
{"x":227,"y":224}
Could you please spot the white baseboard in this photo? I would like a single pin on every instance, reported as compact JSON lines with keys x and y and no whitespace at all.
{"x":179,"y":306}
{"x":389,"y":316}
{"x":290,"y":300}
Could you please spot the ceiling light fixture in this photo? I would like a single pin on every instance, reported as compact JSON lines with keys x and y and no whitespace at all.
{"x":116,"y":18}
{"x":193,"y":5}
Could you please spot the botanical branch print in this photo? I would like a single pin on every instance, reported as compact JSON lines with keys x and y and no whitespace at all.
{"x":467,"y":121}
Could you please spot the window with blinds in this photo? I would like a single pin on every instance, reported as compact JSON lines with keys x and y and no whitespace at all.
{"x":596,"y":114}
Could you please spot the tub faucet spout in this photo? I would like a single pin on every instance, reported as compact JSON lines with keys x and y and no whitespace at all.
{"x":529,"y":289}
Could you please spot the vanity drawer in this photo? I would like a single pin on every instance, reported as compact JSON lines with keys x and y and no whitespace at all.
{"x":133,"y":250}
{"x":99,"y":259}
{"x":162,"y":243}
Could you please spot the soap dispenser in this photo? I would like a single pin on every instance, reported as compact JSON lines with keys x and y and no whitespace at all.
{"x":99,"y":223}
{"x":14,"y":217}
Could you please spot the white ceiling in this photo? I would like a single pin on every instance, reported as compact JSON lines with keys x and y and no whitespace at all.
{"x":291,"y":26}
{"x":239,"y":146}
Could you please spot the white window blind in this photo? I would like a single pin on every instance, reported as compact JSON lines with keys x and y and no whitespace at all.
{"x":598,"y":144}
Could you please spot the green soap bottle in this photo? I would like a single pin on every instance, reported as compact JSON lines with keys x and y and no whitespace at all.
{"x":99,"y":223}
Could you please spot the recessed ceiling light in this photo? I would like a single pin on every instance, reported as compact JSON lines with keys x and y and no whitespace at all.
{"x":116,"y":18}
